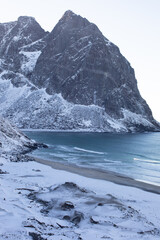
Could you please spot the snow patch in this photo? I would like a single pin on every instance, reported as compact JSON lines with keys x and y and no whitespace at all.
{"x":135,"y":118}
{"x":16,"y":38}
{"x":29,"y":60}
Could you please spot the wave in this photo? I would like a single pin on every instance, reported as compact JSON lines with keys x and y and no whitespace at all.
{"x":150,"y":182}
{"x":89,"y":151}
{"x":142,"y":156}
{"x":64,"y":148}
{"x":146,"y":160}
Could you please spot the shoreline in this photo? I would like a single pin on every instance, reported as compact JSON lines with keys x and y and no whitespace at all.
{"x":101,"y":175}
{"x":81,"y":131}
{"x":62,"y":131}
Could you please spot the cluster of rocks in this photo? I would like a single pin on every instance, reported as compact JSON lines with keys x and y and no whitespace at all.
{"x":80,"y":207}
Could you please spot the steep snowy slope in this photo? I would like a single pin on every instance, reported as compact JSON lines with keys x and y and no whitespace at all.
{"x":70,"y":79}
{"x":11,"y":140}
{"x":31,"y":107}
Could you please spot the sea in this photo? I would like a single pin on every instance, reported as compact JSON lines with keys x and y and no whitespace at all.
{"x":135,"y":155}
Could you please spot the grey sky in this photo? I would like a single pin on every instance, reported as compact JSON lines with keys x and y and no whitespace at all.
{"x":133,"y":25}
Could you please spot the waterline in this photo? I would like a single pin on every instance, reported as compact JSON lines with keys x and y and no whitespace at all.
{"x":133,"y":155}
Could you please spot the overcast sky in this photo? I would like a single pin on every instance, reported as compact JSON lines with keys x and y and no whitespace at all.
{"x":133,"y":25}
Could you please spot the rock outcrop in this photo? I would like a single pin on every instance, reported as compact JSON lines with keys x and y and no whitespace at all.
{"x":12,"y":140}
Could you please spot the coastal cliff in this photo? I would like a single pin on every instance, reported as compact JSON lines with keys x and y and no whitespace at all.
{"x":72,"y":78}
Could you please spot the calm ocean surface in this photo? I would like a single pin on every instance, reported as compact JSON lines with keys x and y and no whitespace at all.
{"x":135,"y":155}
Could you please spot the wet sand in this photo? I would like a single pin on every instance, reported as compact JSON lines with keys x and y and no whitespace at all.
{"x":101,"y":175}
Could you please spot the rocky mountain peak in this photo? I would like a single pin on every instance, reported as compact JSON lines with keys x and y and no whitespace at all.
{"x":71,"y":21}
{"x":78,"y":55}
{"x":29,"y":25}
{"x":25,"y":19}
{"x":68,"y":14}
{"x":15,"y":35}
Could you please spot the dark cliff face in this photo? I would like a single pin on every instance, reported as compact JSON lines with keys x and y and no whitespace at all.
{"x":86,"y":68}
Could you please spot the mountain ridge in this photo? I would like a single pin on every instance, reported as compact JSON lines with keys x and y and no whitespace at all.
{"x":78,"y":69}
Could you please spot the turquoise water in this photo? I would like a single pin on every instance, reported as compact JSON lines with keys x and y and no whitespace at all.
{"x":135,"y":155}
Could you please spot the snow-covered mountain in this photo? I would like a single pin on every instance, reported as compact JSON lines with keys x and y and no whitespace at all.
{"x":70,"y":79}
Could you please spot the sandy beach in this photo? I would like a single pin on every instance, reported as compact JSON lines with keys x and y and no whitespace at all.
{"x":101,"y":175}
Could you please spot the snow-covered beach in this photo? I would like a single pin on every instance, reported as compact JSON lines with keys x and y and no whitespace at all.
{"x":39,"y":202}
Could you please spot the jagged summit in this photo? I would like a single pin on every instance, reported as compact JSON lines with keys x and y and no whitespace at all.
{"x":70,"y":20}
{"x":25,"y":19}
{"x":68,"y":14}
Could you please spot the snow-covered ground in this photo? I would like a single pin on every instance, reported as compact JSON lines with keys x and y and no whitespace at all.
{"x":29,"y":60}
{"x":38,"y":202}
